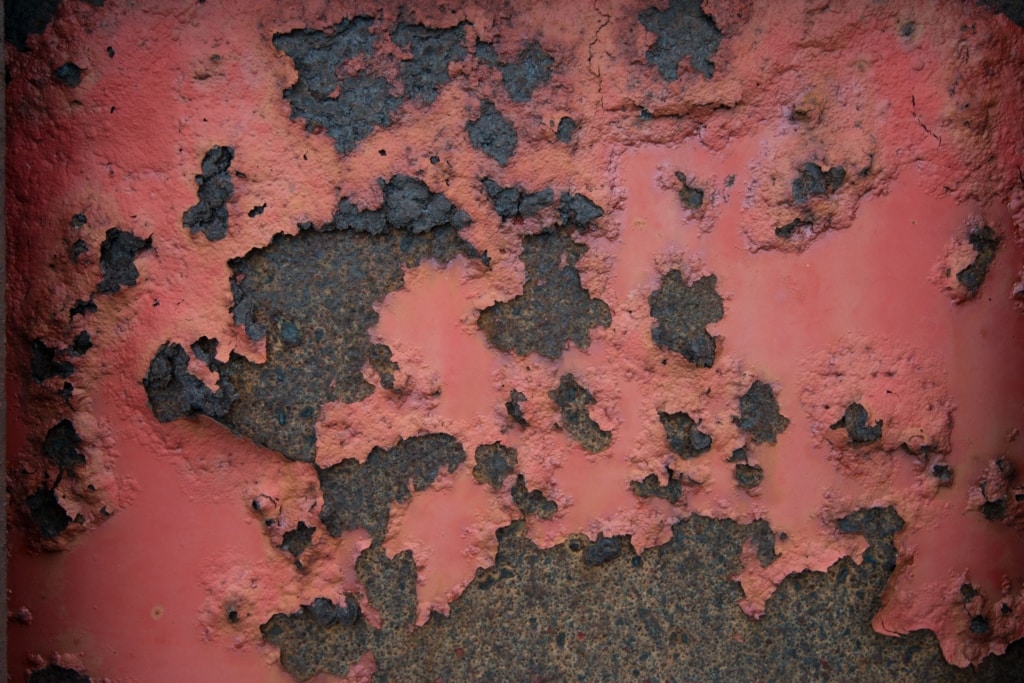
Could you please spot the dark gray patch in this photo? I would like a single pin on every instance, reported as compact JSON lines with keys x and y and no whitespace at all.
{"x":347,"y":109}
{"x":812,"y":181}
{"x":553,"y":309}
{"x":61,"y":447}
{"x":492,"y":133}
{"x":748,"y":476}
{"x":174,"y":392}
{"x":683,"y":30}
{"x":359,"y":496}
{"x":651,"y":487}
{"x":573,"y":400}
{"x":759,"y":414}
{"x":312,"y":296}
{"x":633,"y":617}
{"x":379,"y":357}
{"x":684,"y":439}
{"x":298,"y":539}
{"x":682,"y":311}
{"x":994,"y":510}
{"x":513,"y":202}
{"x":603,"y":550}
{"x":82,"y":307}
{"x":943,"y":473}
{"x":53,"y":673}
{"x":257,"y":210}
{"x":855,"y":421}
{"x":44,"y":362}
{"x":494,"y":462}
{"x":578,"y":210}
{"x":566,"y":129}
{"x":531,"y":69}
{"x":534,"y":502}
{"x":79,"y":220}
{"x":433,"y":49}
{"x":1012,"y":9}
{"x":69,"y":73}
{"x":764,"y":540}
{"x":789,"y":229}
{"x":691,"y":196}
{"x":78,"y":247}
{"x":410,"y":205}
{"x":25,"y":17}
{"x":513,"y":406}
{"x":985,"y":243}
{"x":117,"y":260}
{"x":210,"y":215}
{"x":45,"y":510}
{"x":81,"y":343}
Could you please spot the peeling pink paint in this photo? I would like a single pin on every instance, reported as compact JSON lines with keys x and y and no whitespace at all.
{"x":823,"y":318}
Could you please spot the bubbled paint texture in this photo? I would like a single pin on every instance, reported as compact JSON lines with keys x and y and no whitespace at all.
{"x":648,"y":340}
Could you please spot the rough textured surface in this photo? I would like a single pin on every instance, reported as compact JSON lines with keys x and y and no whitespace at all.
{"x":683,"y":30}
{"x":492,"y":133}
{"x":560,"y":630}
{"x":210,"y":215}
{"x":684,"y":438}
{"x":835,"y":168}
{"x":573,"y":400}
{"x":553,"y":309}
{"x":682,"y":312}
{"x":358,"y":495}
{"x":53,"y":673}
{"x":759,"y":414}
{"x":984,"y":242}
{"x":117,"y":260}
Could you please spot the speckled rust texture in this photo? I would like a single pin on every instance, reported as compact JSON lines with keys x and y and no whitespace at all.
{"x":645,"y":340}
{"x":550,"y":618}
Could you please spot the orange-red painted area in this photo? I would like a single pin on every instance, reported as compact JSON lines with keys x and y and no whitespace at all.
{"x":859,"y":308}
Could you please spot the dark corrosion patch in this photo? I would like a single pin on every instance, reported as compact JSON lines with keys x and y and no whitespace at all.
{"x":553,"y":309}
{"x":683,"y":436}
{"x":433,"y":49}
{"x":492,"y":133}
{"x":60,"y":446}
{"x":359,"y":495}
{"x":531,"y":69}
{"x":812,"y":181}
{"x":682,"y":311}
{"x":45,"y":364}
{"x":174,"y":392}
{"x":690,"y":195}
{"x":69,"y":74}
{"x":311,"y":296}
{"x":117,"y":260}
{"x":298,"y":539}
{"x":348,"y":109}
{"x":494,"y":462}
{"x":514,"y":407}
{"x":566,"y":129}
{"x":532,"y":502}
{"x":600,"y":611}
{"x":759,"y":414}
{"x":512,"y":202}
{"x":50,"y":517}
{"x":210,"y":215}
{"x":855,"y":422}
{"x":340,"y":89}
{"x":651,"y":487}
{"x":573,"y":400}
{"x":22,"y":18}
{"x":53,"y":673}
{"x":683,"y":30}
{"x":985,"y":242}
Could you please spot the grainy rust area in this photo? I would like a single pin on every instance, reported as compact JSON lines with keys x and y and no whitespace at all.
{"x":601,"y":611}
